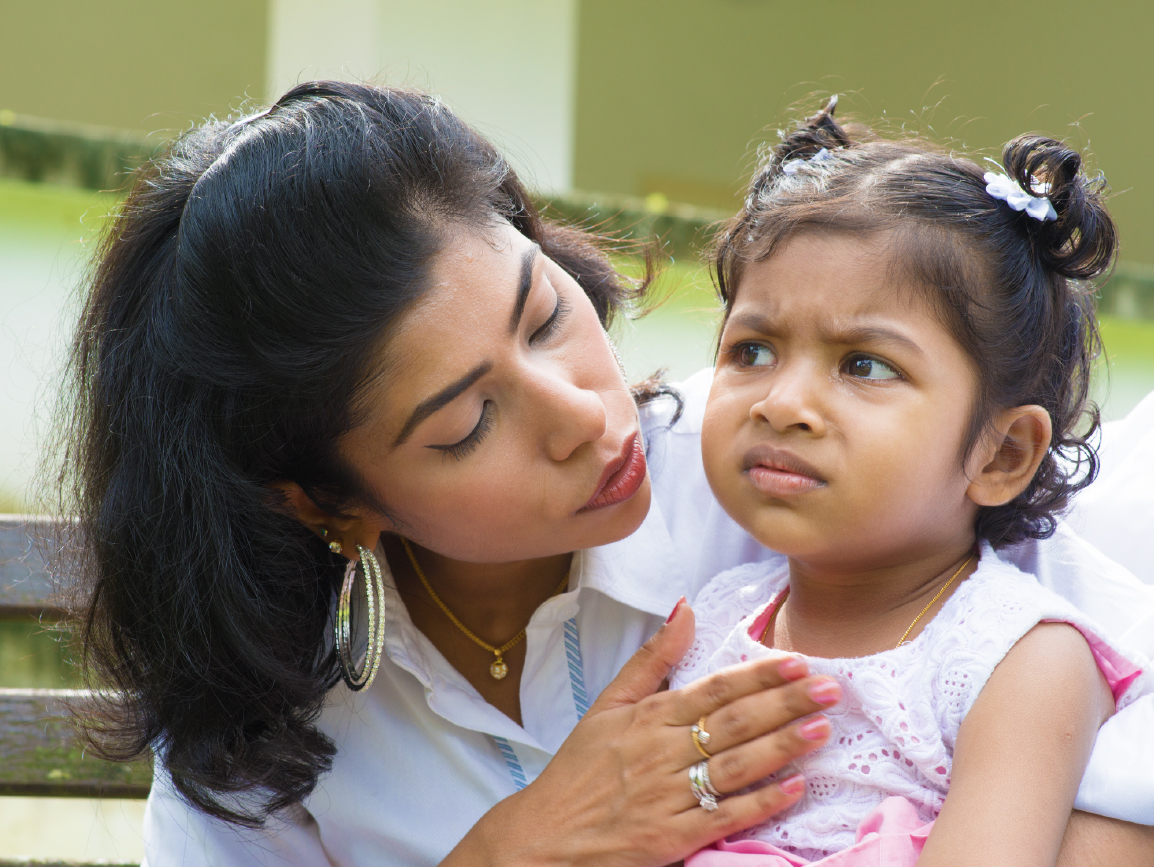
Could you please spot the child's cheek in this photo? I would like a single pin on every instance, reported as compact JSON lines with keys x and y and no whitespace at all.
{"x":722,"y":449}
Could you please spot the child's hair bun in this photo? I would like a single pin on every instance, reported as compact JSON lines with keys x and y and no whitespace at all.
{"x":1081,"y":243}
{"x":818,"y":131}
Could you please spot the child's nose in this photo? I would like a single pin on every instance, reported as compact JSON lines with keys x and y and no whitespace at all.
{"x":792,"y":403}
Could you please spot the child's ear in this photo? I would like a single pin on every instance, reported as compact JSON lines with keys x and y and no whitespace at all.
{"x":1005,"y":461}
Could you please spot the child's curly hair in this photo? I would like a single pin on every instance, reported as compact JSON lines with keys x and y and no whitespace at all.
{"x":1014,"y":291}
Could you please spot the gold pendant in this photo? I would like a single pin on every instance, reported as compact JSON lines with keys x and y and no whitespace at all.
{"x":499,"y":669}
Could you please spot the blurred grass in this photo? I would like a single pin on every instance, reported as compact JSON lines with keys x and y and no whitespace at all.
{"x":37,"y":207}
{"x":35,"y":656}
{"x":1127,"y":341}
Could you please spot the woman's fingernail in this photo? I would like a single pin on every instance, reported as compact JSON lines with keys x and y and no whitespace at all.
{"x":815,"y":729}
{"x":792,"y":668}
{"x":825,"y":691}
{"x":793,"y":785}
{"x":681,"y":601}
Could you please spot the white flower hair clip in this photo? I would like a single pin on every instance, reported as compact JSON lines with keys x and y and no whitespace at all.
{"x":1038,"y":206}
{"x":791,"y":167}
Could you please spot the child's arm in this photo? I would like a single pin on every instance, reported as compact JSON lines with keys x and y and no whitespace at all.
{"x":1020,"y":754}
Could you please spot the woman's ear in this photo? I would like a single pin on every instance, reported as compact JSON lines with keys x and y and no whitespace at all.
{"x":1002,"y":466}
{"x":347,"y":533}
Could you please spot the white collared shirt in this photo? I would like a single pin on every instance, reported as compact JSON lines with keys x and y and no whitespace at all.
{"x":421,"y":756}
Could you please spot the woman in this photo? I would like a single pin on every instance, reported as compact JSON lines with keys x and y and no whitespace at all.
{"x":339,"y":328}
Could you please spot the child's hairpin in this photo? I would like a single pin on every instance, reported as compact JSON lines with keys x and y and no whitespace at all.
{"x":1035,"y":203}
{"x":791,"y":167}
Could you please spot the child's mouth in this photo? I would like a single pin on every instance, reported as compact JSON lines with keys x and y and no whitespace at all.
{"x":778,"y":473}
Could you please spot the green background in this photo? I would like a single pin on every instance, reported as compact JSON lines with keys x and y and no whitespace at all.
{"x":672,"y":96}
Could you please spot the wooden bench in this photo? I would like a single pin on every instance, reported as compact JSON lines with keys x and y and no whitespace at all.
{"x":40,"y":754}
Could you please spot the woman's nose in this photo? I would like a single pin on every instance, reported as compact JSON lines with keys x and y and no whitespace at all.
{"x":793,"y":402}
{"x":574,"y":416}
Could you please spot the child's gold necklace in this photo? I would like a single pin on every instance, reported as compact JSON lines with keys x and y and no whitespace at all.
{"x":958,"y":572}
{"x":913,"y":623}
{"x":498,"y":669}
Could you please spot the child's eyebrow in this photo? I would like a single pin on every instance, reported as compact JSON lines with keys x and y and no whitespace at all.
{"x":755,"y":322}
{"x":850,"y":334}
{"x":870,"y":334}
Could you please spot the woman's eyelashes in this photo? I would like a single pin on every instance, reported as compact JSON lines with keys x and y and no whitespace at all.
{"x":465,"y":447}
{"x":462,"y":448}
{"x":548,"y":328}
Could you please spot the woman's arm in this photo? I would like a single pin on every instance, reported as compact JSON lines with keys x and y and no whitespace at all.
{"x":1096,"y":841}
{"x":1020,"y":755}
{"x":617,"y":794}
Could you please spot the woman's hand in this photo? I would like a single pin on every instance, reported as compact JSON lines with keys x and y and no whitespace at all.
{"x":618,"y":790}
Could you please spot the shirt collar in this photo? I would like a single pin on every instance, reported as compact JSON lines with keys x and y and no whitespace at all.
{"x":446,"y":690}
{"x":641,"y":571}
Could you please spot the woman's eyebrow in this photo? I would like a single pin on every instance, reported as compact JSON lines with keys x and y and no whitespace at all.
{"x":524,"y":284}
{"x":431,"y":404}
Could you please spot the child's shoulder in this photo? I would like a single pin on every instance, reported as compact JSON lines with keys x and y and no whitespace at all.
{"x":1000,"y":604}
{"x":998,"y":583}
{"x":994,"y":607}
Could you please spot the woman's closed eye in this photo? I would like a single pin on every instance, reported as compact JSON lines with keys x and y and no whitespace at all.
{"x":868,"y":367}
{"x":548,"y":328}
{"x":465,"y":447}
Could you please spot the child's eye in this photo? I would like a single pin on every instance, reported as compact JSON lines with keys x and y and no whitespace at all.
{"x":755,"y":355}
{"x":865,"y":367}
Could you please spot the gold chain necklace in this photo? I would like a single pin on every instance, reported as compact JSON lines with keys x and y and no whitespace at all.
{"x":901,"y":641}
{"x":498,"y":669}
{"x":958,"y":572}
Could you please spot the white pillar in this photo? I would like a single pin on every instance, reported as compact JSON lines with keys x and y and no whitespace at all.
{"x":507,"y":66}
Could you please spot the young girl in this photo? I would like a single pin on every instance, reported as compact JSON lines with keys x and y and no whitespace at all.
{"x":900,"y":392}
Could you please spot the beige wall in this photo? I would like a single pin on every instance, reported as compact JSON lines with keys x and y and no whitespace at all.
{"x":630,"y":97}
{"x":137,"y":64}
{"x":672,"y":92}
{"x":507,"y":66}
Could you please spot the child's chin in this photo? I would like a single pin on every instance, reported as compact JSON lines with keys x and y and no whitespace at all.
{"x":785,"y":534}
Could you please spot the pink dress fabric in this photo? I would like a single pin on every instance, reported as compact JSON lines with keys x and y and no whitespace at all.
{"x":891,"y":835}
{"x":874,"y":791}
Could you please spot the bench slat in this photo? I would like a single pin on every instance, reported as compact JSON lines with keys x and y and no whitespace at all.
{"x":40,"y":753}
{"x":25,"y":587}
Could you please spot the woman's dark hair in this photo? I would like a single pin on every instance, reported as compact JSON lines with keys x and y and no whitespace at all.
{"x":1013,"y":291}
{"x":234,"y":315}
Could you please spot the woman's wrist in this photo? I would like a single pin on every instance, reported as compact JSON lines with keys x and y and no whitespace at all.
{"x":499,"y":840}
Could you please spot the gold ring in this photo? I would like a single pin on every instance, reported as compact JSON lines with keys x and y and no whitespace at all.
{"x":700,"y":736}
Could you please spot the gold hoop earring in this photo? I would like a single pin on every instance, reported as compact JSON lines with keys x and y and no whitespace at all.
{"x":375,"y":605}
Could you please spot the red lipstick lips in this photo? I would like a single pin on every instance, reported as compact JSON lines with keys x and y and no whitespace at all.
{"x":780,"y":474}
{"x":621,"y":479}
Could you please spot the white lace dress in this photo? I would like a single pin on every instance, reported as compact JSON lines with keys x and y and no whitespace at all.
{"x":894,"y":729}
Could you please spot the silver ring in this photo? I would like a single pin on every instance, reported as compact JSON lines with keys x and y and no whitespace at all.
{"x":702,"y":788}
{"x":705,"y":779}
